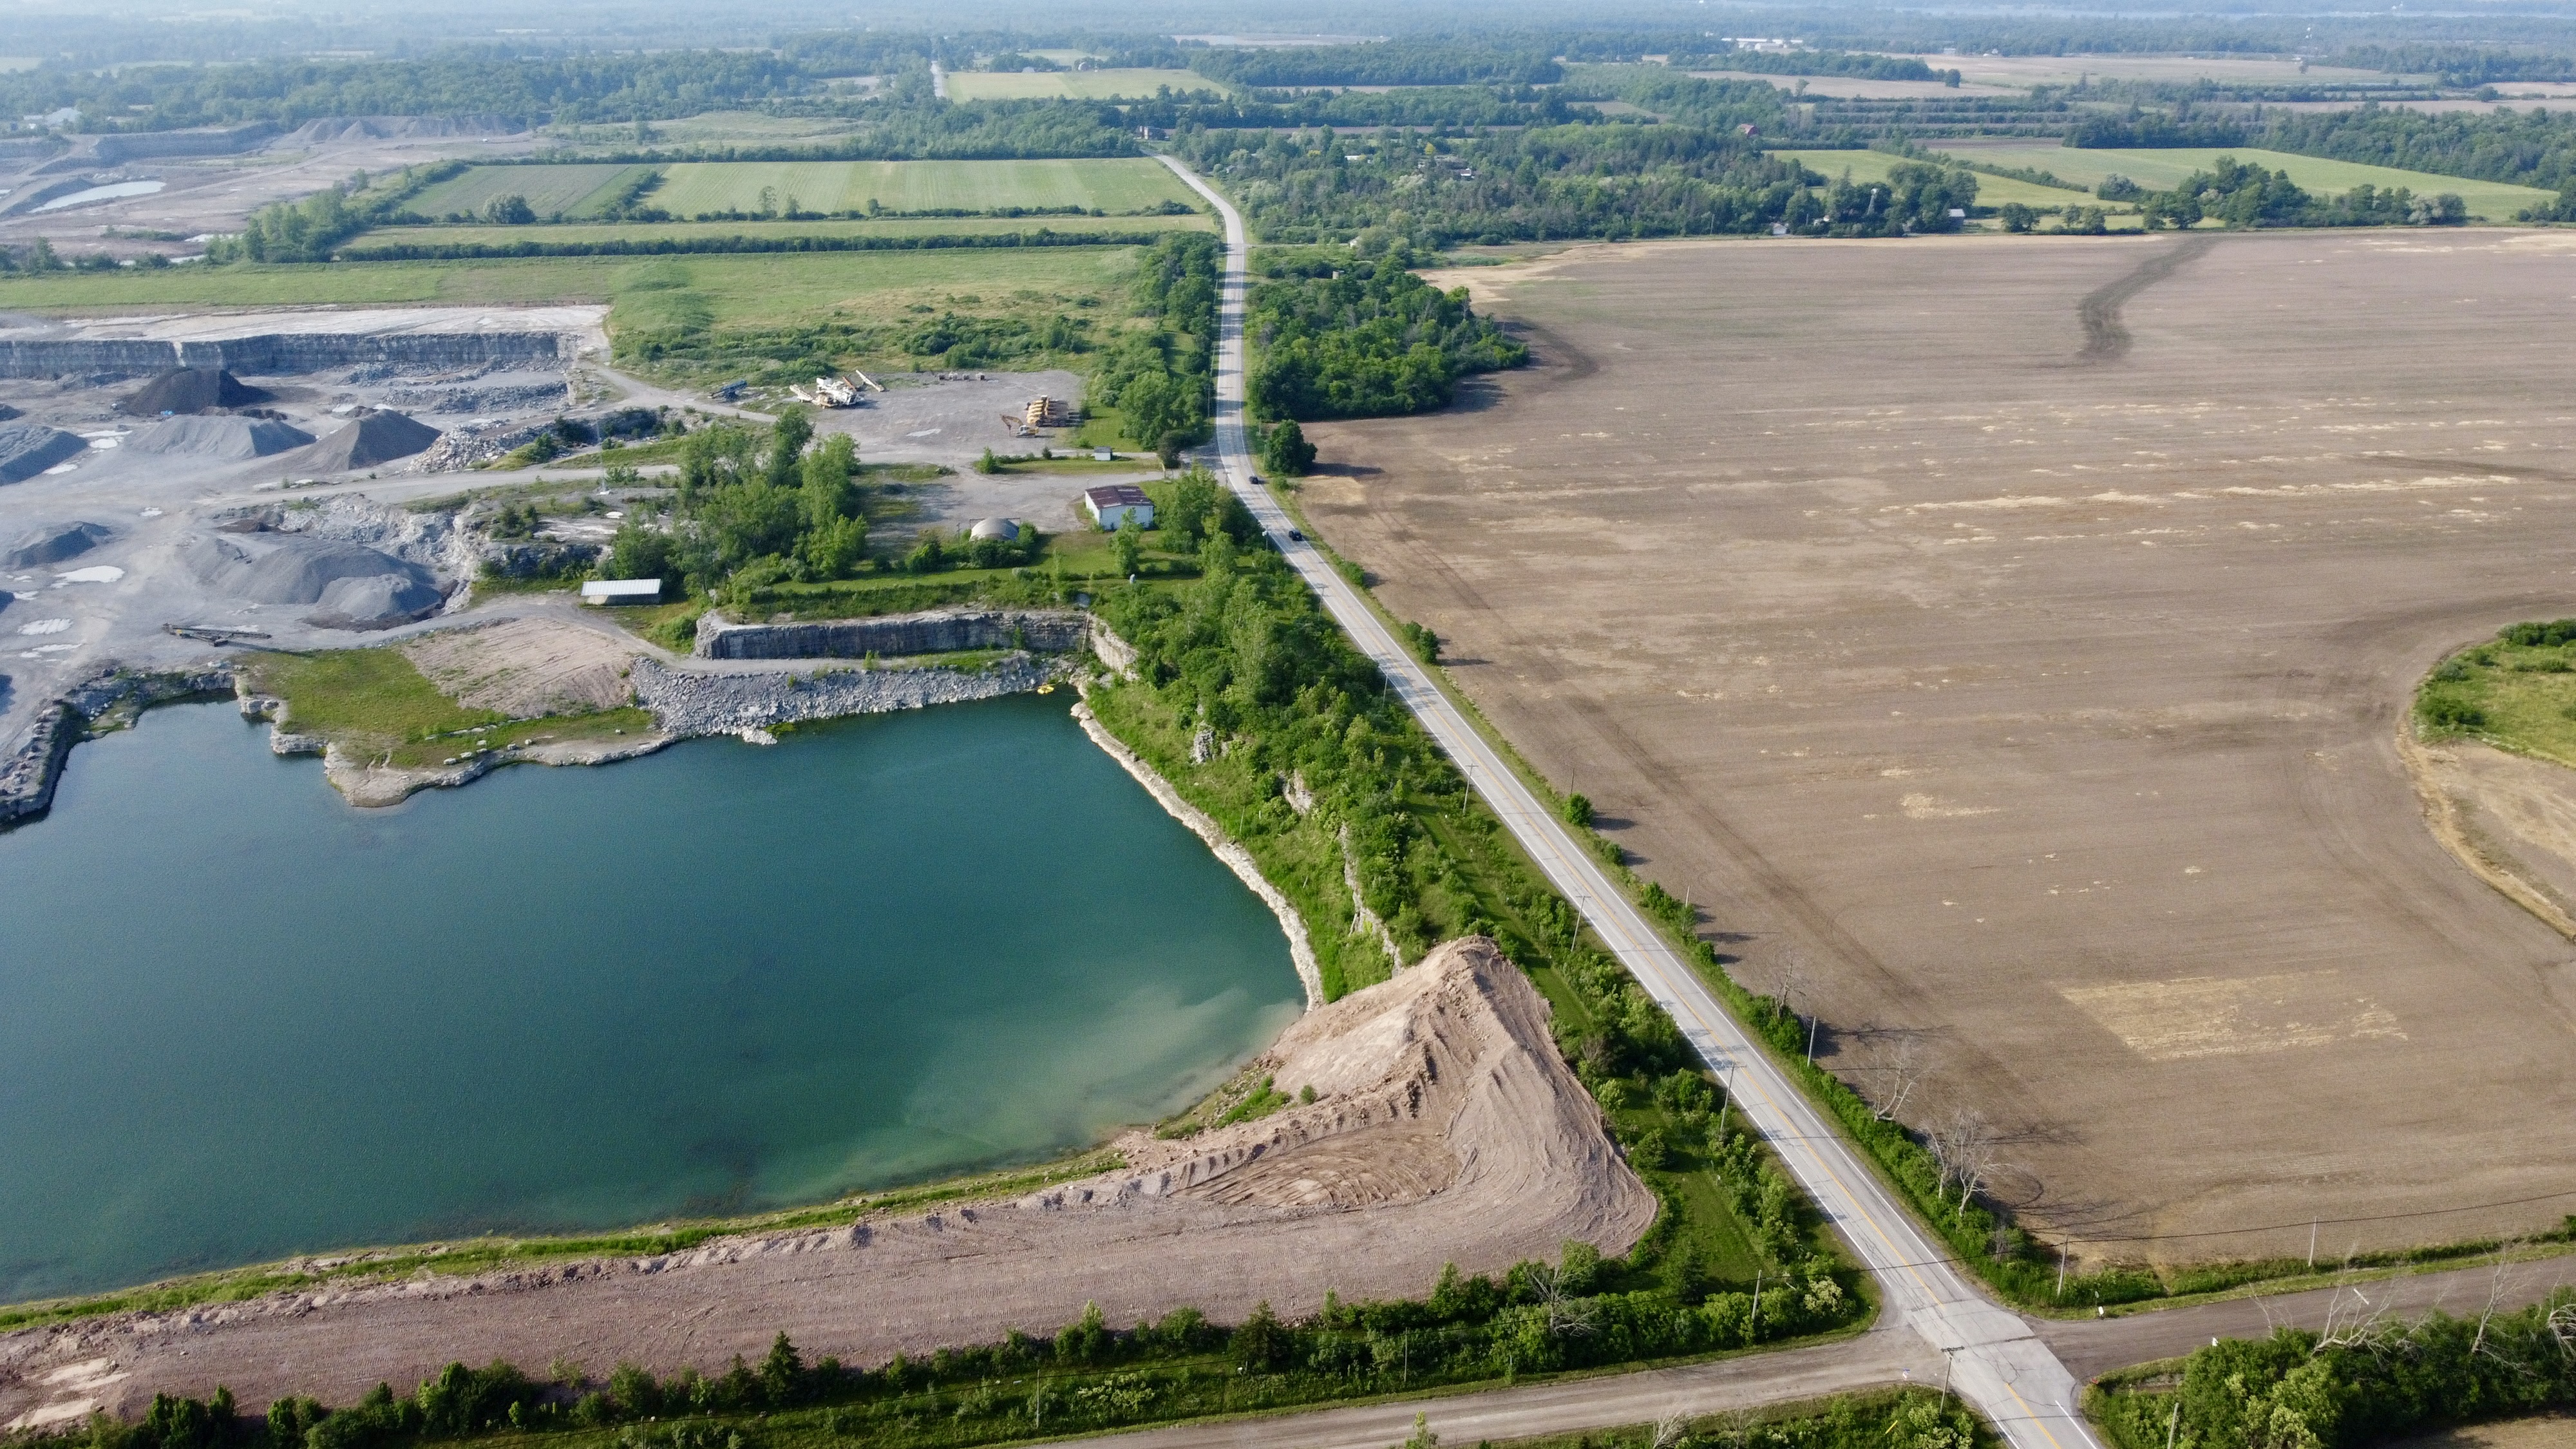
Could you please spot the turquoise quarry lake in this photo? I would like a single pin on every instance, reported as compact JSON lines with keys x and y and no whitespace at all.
{"x":240,"y":1019}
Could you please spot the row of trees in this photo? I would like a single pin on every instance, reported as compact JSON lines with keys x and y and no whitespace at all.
{"x":2241,"y":195}
{"x":2363,"y":1378}
{"x":1161,"y":379}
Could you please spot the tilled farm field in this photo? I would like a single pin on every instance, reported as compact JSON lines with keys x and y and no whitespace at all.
{"x":2004,"y":642}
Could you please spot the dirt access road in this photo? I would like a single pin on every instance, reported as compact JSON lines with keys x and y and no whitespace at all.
{"x":2003,"y":639}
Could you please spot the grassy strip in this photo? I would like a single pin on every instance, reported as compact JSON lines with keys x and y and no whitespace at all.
{"x":1912,"y":1418}
{"x":478,"y":1255}
{"x":373,"y":704}
{"x":434,"y":248}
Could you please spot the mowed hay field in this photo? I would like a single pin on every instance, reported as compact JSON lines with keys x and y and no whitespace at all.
{"x":571,"y":190}
{"x":2160,"y":167}
{"x":2037,"y":684}
{"x":1080,"y":85}
{"x":694,"y":188}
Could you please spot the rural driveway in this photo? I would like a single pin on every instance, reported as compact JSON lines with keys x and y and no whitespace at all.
{"x":2000,"y":1366}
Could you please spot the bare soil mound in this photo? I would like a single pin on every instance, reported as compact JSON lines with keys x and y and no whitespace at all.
{"x":54,"y":544}
{"x":191,"y":390}
{"x":27,"y":449}
{"x":356,"y":587}
{"x":218,"y":437}
{"x":527,"y":667}
{"x":374,"y":439}
{"x":1445,"y":1129}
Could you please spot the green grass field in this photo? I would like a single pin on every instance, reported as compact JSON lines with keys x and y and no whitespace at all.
{"x":693,"y":188}
{"x":569,"y":190}
{"x":2158,"y":168}
{"x":1873,"y":166}
{"x":2520,"y":697}
{"x":910,"y":226}
{"x":753,"y":290}
{"x":1079,"y":85}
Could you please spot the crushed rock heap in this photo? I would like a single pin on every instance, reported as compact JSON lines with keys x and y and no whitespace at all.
{"x":1445,"y":1129}
{"x":217,"y":437}
{"x":183,"y":390}
{"x":55,"y":544}
{"x":27,"y":449}
{"x":371,"y":441}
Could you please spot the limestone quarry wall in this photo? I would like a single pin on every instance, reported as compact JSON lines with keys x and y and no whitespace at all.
{"x":287,"y":353}
{"x":1052,"y":631}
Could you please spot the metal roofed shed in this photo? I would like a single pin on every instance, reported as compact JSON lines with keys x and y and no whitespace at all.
{"x":622,"y":591}
{"x":1112,"y":504}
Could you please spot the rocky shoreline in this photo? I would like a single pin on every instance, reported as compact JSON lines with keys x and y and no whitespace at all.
{"x":104,"y":702}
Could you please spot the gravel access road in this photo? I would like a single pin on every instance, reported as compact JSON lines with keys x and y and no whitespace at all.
{"x":1996,"y":1361}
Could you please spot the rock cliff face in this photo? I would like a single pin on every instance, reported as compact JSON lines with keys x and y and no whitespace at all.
{"x":284,"y":353}
{"x":104,"y":701}
{"x":1053,"y":631}
{"x":727,"y":704}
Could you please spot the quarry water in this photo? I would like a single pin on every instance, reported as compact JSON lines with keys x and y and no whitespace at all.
{"x":240,"y":1019}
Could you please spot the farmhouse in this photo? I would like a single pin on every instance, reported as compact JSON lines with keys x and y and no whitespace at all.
{"x":1112,"y":504}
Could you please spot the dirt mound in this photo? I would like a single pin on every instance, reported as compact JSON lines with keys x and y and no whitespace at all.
{"x":389,"y":128}
{"x":1444,"y":1076}
{"x":527,"y":667}
{"x":27,"y":449}
{"x":53,"y":545}
{"x":218,"y":437}
{"x":1445,"y":1129}
{"x":191,"y":390}
{"x":374,"y":439}
{"x":356,"y":587}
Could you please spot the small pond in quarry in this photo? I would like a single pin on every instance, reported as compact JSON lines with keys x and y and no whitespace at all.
{"x":240,"y":1019}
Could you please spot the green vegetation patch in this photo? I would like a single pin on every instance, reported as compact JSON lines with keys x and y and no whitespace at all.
{"x":373,"y":704}
{"x":1107,"y":84}
{"x":2365,"y":1380}
{"x":1873,"y":166}
{"x":2161,"y":168}
{"x":567,"y":190}
{"x":1914,"y":1418}
{"x":694,"y":189}
{"x":2516,"y":691}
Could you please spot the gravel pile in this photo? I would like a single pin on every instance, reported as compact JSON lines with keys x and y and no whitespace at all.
{"x":356,"y":587}
{"x":27,"y":449}
{"x":191,"y":390}
{"x":217,"y":437}
{"x":54,"y":544}
{"x":375,"y":439}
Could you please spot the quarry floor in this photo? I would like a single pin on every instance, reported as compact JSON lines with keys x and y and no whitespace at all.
{"x":2003,"y":643}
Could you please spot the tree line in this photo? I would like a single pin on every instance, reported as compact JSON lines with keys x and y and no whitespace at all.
{"x":2363,"y":1378}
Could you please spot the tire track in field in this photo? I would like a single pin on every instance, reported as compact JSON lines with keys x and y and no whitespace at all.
{"x":2106,"y":338}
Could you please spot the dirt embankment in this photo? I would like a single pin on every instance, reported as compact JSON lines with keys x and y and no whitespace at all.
{"x":1444,"y":1128}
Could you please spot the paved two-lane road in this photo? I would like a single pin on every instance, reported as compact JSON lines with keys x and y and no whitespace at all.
{"x":1997,"y":1362}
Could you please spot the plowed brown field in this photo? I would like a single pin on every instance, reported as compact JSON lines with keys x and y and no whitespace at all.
{"x":2008,"y":638}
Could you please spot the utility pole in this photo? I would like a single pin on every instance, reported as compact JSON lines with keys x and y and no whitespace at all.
{"x":1949,"y":1358}
{"x":1811,"y":1038}
{"x":2061,"y":1268}
{"x":2312,"y":1243}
